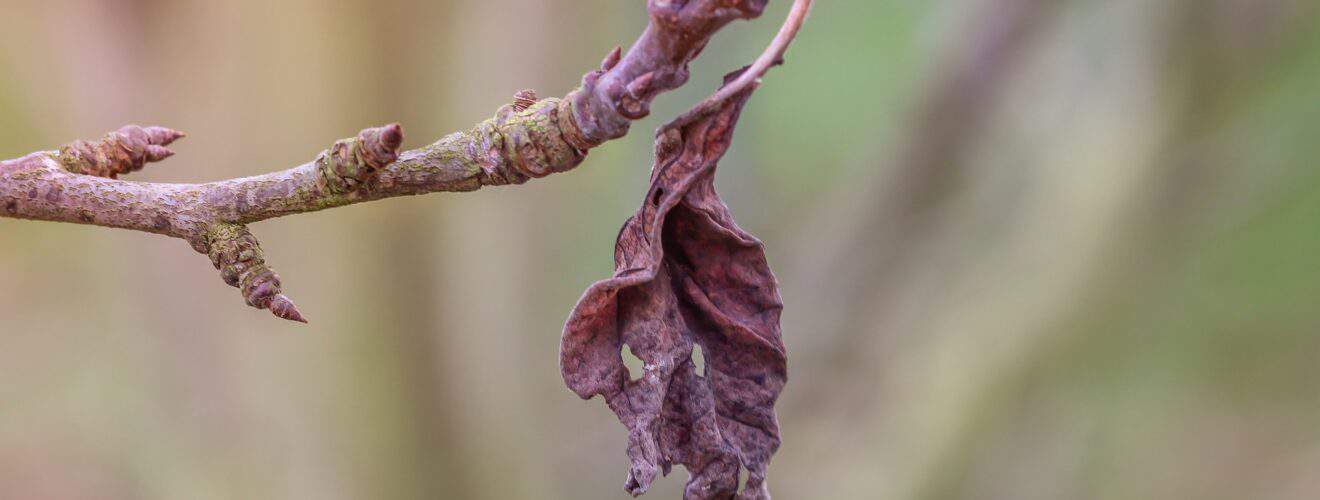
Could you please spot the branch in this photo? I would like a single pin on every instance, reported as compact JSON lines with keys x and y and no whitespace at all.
{"x":527,"y":139}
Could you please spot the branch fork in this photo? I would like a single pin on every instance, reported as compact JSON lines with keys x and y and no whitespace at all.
{"x":686,"y":275}
{"x":529,"y":138}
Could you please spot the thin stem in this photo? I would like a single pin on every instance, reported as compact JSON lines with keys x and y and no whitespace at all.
{"x":772,"y":55}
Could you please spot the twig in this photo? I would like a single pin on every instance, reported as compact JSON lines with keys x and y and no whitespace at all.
{"x":527,"y":139}
{"x":772,"y":55}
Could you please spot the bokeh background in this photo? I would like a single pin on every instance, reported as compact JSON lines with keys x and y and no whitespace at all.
{"x":1030,"y":249}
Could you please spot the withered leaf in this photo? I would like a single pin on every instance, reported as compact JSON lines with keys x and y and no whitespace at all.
{"x":686,"y":274}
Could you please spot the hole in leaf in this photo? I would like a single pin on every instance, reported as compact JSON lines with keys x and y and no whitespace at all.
{"x":659,"y":193}
{"x":634,"y":364}
{"x":699,"y":359}
{"x":742,"y":478}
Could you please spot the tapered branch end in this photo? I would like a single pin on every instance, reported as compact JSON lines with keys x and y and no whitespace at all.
{"x":353,"y":163}
{"x":612,"y":59}
{"x":380,"y":145}
{"x":524,"y":99}
{"x":242,"y":264}
{"x":284,"y":308}
{"x":160,"y":136}
{"x":125,"y":150}
{"x":157,"y":153}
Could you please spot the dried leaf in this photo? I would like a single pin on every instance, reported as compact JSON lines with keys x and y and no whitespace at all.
{"x":686,"y":274}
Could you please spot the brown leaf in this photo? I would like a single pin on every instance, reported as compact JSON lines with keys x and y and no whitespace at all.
{"x":686,"y":274}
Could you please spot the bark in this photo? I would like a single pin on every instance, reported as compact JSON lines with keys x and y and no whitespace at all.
{"x":527,"y":139}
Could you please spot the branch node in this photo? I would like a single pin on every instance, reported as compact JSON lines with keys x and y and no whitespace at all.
{"x":635,"y":102}
{"x":351,"y":163}
{"x":534,"y":143}
{"x":125,"y":150}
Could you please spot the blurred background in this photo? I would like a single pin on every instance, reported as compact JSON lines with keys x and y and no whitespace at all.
{"x":1030,"y":249}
